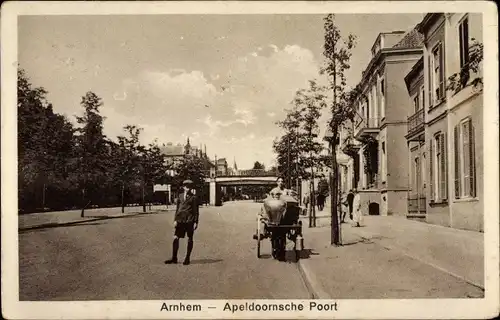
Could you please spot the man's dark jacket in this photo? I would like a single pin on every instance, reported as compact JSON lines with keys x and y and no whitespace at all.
{"x":350,"y":199}
{"x":187,"y":208}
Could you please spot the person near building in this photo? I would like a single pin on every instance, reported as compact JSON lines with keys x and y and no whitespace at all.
{"x":350,"y":201}
{"x":357,"y":209}
{"x":306,"y":203}
{"x":185,"y":221}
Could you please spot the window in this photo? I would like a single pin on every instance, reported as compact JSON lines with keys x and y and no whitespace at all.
{"x":416,"y":103}
{"x":463,"y":31}
{"x":437,"y":74}
{"x":382,"y":98}
{"x":465,"y":167}
{"x":422,"y":97}
{"x":438,"y":183}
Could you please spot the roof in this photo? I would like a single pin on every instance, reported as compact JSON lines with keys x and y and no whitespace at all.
{"x":412,"y":39}
{"x":418,"y":66}
{"x":172,"y":150}
{"x":428,"y":19}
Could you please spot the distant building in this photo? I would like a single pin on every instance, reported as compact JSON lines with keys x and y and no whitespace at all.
{"x":177,"y":152}
{"x":222,"y":167}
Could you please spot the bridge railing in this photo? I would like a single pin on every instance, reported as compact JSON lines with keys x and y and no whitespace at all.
{"x":242,"y":173}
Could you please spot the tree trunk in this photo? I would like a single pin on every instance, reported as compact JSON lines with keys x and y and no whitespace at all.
{"x":311,"y":204}
{"x":123,"y":197}
{"x":43,"y":196}
{"x":151,"y":197}
{"x":334,"y":201}
{"x":143,"y":199}
{"x":289,"y":174}
{"x":313,"y":191}
{"x":82,"y":214}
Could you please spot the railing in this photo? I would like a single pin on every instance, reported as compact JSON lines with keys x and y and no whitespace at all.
{"x":255,"y":173}
{"x":365,"y":123}
{"x":416,"y":121}
{"x":369,"y":123}
{"x":241,"y":173}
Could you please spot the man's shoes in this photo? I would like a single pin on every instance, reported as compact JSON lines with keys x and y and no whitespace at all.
{"x":186,"y":262}
{"x":171,"y":261}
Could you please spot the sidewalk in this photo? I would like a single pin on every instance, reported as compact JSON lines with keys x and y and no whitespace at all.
{"x":46,"y":219}
{"x":394,"y":257}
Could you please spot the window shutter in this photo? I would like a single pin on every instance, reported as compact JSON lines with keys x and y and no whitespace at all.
{"x":423,"y":98}
{"x":472,"y":160}
{"x":457,"y":163}
{"x":431,"y":170}
{"x":461,"y":44}
{"x":444,"y":173}
{"x":466,"y":157}
{"x":441,"y":72}
{"x":466,"y":40}
{"x":430,"y":68}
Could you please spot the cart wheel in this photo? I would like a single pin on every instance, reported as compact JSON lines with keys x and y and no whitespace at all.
{"x":258,"y":247}
{"x":258,"y":237}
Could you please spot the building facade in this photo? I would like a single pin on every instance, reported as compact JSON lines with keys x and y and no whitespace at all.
{"x":375,"y":140}
{"x":446,"y":152}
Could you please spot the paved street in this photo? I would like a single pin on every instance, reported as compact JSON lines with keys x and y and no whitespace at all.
{"x":123,"y":258}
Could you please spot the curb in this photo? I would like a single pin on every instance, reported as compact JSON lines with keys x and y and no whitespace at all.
{"x":313,"y":285}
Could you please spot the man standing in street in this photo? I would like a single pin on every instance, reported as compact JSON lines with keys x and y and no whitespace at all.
{"x":185,"y":221}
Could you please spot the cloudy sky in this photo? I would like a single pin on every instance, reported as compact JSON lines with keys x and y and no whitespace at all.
{"x":222,"y":80}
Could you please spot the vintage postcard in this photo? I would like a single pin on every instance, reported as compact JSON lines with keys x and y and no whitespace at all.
{"x":249,"y":159}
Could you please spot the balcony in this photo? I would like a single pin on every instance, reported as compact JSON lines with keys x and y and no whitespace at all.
{"x":350,"y":146}
{"x":366,"y":127}
{"x":416,"y":123}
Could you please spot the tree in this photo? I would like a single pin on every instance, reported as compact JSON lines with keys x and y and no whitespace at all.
{"x":91,"y":147}
{"x":309,"y":104}
{"x":45,"y":141}
{"x":128,"y":170}
{"x":337,"y":53}
{"x":287,"y":148}
{"x":258,"y":166}
{"x":153,"y":167}
{"x":190,"y":167}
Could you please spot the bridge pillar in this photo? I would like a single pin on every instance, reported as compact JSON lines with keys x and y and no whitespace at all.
{"x":213,"y":192}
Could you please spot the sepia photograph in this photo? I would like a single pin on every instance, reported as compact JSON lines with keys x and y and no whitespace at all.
{"x":249,"y":160}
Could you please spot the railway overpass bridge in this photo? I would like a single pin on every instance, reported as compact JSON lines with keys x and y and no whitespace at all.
{"x":217,"y":180}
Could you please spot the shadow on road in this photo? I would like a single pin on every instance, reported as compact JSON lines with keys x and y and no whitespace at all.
{"x":80,"y":222}
{"x":307,"y":253}
{"x":364,"y":240}
{"x":55,"y":225}
{"x":205,"y":261}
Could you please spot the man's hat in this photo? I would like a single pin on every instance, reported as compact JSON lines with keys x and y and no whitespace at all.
{"x":187,"y":182}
